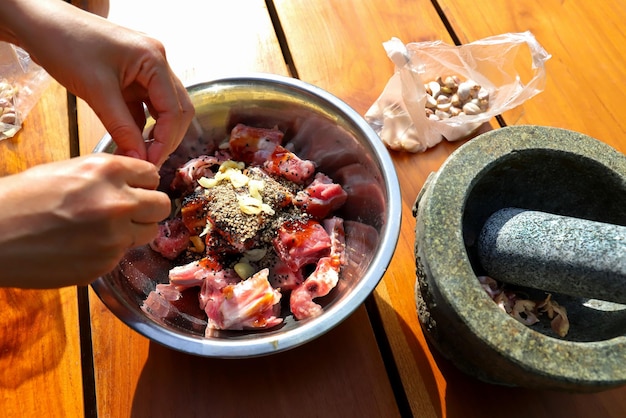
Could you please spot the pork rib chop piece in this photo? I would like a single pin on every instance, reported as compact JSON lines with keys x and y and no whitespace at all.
{"x":248,"y":304}
{"x":324,"y":278}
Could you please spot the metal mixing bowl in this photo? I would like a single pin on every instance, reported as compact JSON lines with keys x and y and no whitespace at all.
{"x":318,"y":127}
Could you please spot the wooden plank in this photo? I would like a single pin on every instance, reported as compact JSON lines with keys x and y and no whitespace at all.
{"x":336,"y":375}
{"x":345,"y":57}
{"x":584,"y":90}
{"x":43,"y":137}
{"x":339,"y":45}
{"x":40,"y":373}
{"x":339,"y":374}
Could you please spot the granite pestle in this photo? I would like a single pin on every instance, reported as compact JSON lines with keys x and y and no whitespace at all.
{"x":555,"y":253}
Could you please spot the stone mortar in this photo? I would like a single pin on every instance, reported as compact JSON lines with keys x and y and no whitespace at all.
{"x":538,"y":168}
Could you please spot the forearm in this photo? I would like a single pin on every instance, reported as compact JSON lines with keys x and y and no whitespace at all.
{"x":19,"y":18}
{"x":40,"y":26}
{"x":10,"y":12}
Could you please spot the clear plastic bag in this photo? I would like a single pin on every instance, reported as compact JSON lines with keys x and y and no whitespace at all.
{"x":22,"y":83}
{"x":496,"y":64}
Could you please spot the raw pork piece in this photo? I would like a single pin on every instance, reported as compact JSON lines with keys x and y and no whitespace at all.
{"x":281,"y":276}
{"x":334,"y":227}
{"x":321,"y":197}
{"x":284,"y":163}
{"x":167,"y":302}
{"x":319,"y":283}
{"x":249,"y":304}
{"x":172,"y":238}
{"x":186,"y":177}
{"x":195,"y":273}
{"x":299,"y":243}
{"x":253,"y":145}
{"x":325,"y":276}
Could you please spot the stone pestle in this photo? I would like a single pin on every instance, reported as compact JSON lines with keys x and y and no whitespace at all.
{"x":555,"y":253}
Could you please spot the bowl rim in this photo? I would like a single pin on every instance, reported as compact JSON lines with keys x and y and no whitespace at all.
{"x":309,"y":329}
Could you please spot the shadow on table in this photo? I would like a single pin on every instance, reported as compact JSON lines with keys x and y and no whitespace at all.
{"x":332,"y":376}
{"x":31,"y":326}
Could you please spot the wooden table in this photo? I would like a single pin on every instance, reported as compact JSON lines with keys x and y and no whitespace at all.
{"x":377,"y":363}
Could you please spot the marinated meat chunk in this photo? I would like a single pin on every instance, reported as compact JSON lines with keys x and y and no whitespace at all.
{"x":249,"y":304}
{"x":186,"y":177}
{"x":325,"y":276}
{"x":193,"y":212}
{"x":172,"y":238}
{"x":321,"y":197}
{"x":299,"y":243}
{"x":195,"y":273}
{"x":286,"y":164}
{"x":280,"y":275}
{"x":253,"y":145}
{"x":319,"y":283}
{"x":335,"y":229}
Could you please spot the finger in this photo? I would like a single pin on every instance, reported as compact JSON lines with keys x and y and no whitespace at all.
{"x":120,"y":123}
{"x":174,"y":116}
{"x":152,"y":206}
{"x":137,"y":173}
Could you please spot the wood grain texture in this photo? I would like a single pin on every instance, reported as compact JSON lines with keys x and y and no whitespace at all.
{"x":338,"y":45}
{"x":40,"y":372}
{"x":43,"y":137}
{"x":339,"y":374}
{"x":336,"y":375}
{"x":345,"y":57}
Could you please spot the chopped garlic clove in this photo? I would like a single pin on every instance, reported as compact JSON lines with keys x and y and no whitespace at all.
{"x":244,"y":270}
{"x":207,"y":183}
{"x":255,"y":254}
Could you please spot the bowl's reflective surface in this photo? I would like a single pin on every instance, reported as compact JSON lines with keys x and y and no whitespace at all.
{"x":318,"y":127}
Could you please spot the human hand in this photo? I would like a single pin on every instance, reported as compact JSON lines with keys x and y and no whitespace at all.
{"x":114,"y":69}
{"x":69,"y":222}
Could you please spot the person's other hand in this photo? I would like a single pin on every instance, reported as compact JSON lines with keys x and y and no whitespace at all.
{"x":69,"y":222}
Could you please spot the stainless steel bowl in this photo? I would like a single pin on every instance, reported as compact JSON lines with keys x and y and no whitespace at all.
{"x":318,"y":127}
